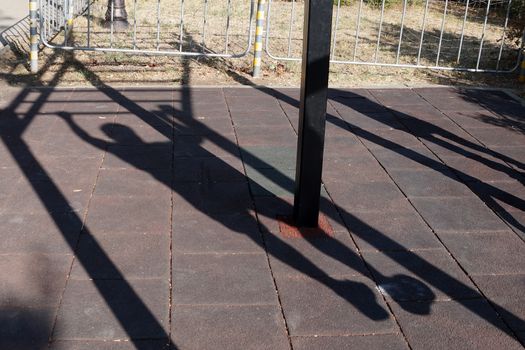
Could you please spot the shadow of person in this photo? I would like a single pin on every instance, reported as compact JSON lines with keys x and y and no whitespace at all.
{"x":359,"y":294}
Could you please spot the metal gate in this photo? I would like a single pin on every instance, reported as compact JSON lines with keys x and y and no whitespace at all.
{"x":192,"y":28}
{"x":462,"y":35}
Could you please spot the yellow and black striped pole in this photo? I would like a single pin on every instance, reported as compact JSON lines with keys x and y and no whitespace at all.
{"x":522,"y":69}
{"x":259,"y":24}
{"x":33,"y":36}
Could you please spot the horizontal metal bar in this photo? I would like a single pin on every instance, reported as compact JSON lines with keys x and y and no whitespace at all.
{"x":402,"y":65}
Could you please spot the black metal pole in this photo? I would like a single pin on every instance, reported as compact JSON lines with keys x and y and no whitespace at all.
{"x":116,"y":13}
{"x":312,"y":114}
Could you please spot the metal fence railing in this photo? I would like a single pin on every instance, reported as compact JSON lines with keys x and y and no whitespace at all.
{"x":439,"y":34}
{"x":187,"y":27}
{"x":16,"y":36}
{"x":463,"y":35}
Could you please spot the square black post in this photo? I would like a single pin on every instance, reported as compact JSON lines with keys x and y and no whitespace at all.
{"x":312,"y":114}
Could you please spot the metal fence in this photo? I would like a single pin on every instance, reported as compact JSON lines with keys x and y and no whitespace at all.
{"x":439,"y":34}
{"x":464,"y":35}
{"x":17,"y":36}
{"x":191,"y":28}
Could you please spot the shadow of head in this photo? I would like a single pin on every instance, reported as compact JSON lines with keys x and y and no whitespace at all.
{"x":413,"y":295}
{"x":121,"y":133}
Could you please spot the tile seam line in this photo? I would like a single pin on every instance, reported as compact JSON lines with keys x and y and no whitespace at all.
{"x":454,"y":170}
{"x":172,"y":208}
{"x":261,"y":234}
{"x":369,"y":271}
{"x":77,"y":243}
{"x":225,"y":305}
{"x":477,"y":288}
{"x":345,"y":335}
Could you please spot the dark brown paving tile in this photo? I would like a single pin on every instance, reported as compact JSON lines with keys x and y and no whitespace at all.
{"x":46,"y":197}
{"x":229,"y":279}
{"x":110,"y":310}
{"x":347,"y":306}
{"x":515,"y":156}
{"x":372,"y":196}
{"x":484,"y":169}
{"x":475,"y":119}
{"x":506,"y":291}
{"x":424,"y":275}
{"x":137,"y":135}
{"x":223,"y":327}
{"x":458,"y":214}
{"x":499,"y":136}
{"x":358,"y":342}
{"x":403,"y":230}
{"x":418,"y":112}
{"x":33,"y":280}
{"x":359,"y":167}
{"x":132,"y":182}
{"x":435,"y":183}
{"x":316,"y":256}
{"x":391,"y":139}
{"x":130,"y":256}
{"x":203,"y":126}
{"x":396,"y":97}
{"x":209,"y":169}
{"x":467,"y":324}
{"x":244,"y":91}
{"x":266,"y":156}
{"x":371,"y":121}
{"x":351,"y":93}
{"x":480,"y":254}
{"x":157,"y":344}
{"x":342,"y":147}
{"x":502,"y":196}
{"x":416,"y":158}
{"x":134,"y":214}
{"x":200,"y":233}
{"x":259,"y":103}
{"x":144,"y":118}
{"x":271,"y":182}
{"x":270,"y":135}
{"x":101,"y":107}
{"x":195,"y":110}
{"x":344,"y":104}
{"x":452,"y":103}
{"x":147,"y":156}
{"x":205,"y":146}
{"x":431,"y":128}
{"x":39,"y":233}
{"x":24,"y":328}
{"x":260,"y":119}
{"x":214,"y":198}
{"x":457,"y":144}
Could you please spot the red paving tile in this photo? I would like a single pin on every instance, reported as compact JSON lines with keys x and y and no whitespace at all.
{"x":182,"y":198}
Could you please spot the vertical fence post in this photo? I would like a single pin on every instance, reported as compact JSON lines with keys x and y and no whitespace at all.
{"x":259,"y":25}
{"x":33,"y":36}
{"x":312,"y":113}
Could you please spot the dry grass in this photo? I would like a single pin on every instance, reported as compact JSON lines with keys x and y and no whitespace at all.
{"x":122,"y":69}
